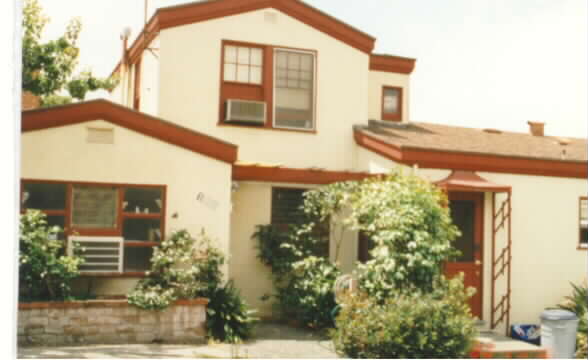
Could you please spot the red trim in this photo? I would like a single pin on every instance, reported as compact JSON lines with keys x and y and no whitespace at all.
{"x":142,"y":123}
{"x":390,"y":63}
{"x":467,"y":181}
{"x":295,"y":176}
{"x":441,"y":159}
{"x":169,"y":17}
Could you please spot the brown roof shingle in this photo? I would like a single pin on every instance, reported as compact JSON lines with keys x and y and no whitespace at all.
{"x":428,"y":136}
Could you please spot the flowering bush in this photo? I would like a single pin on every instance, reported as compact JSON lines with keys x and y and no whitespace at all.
{"x":403,"y":215}
{"x":183,"y":267}
{"x":44,"y":271}
{"x":437,"y":324}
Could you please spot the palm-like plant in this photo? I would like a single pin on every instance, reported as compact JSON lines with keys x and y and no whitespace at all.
{"x":577,"y":303}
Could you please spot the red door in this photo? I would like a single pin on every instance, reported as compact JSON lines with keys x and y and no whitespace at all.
{"x":467,"y":212}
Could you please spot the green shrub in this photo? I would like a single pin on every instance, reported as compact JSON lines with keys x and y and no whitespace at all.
{"x":44,"y":272}
{"x":183,"y":267}
{"x":307,"y":294}
{"x":577,"y":303}
{"x":229,"y":319}
{"x":303,"y":282}
{"x":437,"y":324}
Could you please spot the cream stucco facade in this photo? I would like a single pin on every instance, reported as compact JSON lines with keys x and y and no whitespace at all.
{"x":63,"y":154}
{"x":181,"y":83}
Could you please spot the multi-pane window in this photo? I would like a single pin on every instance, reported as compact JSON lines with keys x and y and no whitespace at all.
{"x":583,"y":223}
{"x":392,"y":103}
{"x":243,"y":64}
{"x":287,"y":210}
{"x":294,"y":89}
{"x":103,"y":211}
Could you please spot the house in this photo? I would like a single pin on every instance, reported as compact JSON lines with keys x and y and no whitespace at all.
{"x":228,"y":110}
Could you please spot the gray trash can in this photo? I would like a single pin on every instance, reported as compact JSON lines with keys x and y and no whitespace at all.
{"x":558,"y":333}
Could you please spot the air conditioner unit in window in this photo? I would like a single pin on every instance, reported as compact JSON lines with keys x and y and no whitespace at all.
{"x":244,"y":111}
{"x":100,"y":254}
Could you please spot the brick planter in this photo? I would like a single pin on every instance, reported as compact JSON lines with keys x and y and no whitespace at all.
{"x":110,"y":322}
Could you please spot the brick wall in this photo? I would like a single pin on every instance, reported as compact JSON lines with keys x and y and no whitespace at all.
{"x":110,"y":322}
{"x":29,"y":101}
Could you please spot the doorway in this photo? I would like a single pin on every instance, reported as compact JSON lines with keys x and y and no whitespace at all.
{"x":467,"y":213}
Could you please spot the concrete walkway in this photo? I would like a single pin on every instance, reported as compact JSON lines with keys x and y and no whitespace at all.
{"x":271,"y":341}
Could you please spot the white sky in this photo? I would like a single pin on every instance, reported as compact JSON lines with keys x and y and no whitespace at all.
{"x":480,"y":63}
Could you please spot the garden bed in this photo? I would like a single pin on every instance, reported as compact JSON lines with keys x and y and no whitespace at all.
{"x":110,"y":322}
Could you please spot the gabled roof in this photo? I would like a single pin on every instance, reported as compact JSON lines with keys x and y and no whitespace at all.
{"x":198,"y":11}
{"x":45,"y":118}
{"x":461,"y":148}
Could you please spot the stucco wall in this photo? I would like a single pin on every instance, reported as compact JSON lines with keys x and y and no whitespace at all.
{"x":379,"y":79}
{"x":190,"y":59}
{"x":544,"y":236}
{"x":149,"y":85}
{"x":63,"y":154}
{"x":251,"y":207}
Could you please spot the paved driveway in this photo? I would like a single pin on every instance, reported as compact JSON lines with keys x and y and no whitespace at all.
{"x":271,"y":341}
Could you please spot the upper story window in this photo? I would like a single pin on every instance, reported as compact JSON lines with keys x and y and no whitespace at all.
{"x":294,"y":89}
{"x":243,"y":64}
{"x":583,"y":242}
{"x":392,"y":103}
{"x":267,"y":87}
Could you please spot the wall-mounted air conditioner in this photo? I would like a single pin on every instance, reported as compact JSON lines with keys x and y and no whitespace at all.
{"x":245,"y":111}
{"x":100,"y":253}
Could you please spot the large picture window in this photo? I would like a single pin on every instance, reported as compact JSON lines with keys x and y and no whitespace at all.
{"x":294,"y":89}
{"x":583,"y":243}
{"x":96,"y":211}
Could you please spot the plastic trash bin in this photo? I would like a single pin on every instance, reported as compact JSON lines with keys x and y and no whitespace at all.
{"x":558,"y":333}
{"x":529,"y":333}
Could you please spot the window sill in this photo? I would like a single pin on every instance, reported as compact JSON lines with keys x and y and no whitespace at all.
{"x":133,"y":274}
{"x":258,"y":127}
{"x":582,"y":247}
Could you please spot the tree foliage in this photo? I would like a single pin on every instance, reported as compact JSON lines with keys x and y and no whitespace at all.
{"x":48,"y":67}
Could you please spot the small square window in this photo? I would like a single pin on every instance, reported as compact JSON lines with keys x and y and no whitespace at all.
{"x":392,"y":103}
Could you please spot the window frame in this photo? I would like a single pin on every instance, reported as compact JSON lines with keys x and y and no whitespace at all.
{"x":314,"y":87}
{"x":581,"y":246}
{"x":237,"y":44}
{"x":393,"y":116}
{"x":264,"y":92}
{"x":69,"y":230}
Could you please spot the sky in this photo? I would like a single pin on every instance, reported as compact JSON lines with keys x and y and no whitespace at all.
{"x":480,"y":63}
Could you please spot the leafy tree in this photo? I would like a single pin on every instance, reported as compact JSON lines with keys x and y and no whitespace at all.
{"x":48,"y":68}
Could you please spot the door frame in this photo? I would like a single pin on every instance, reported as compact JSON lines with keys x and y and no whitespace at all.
{"x":479,"y":200}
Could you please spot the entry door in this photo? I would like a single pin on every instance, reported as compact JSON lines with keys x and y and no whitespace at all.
{"x":467,"y":213}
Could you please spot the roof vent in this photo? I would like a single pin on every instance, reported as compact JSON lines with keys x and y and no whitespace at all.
{"x":492,"y":131}
{"x":536,"y":128}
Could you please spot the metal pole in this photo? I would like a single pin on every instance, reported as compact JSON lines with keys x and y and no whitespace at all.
{"x":492,"y":289}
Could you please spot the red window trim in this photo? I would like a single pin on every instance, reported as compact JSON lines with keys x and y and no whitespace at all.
{"x":263,"y":92}
{"x":67,"y":213}
{"x":580,"y":246}
{"x":392,"y":116}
